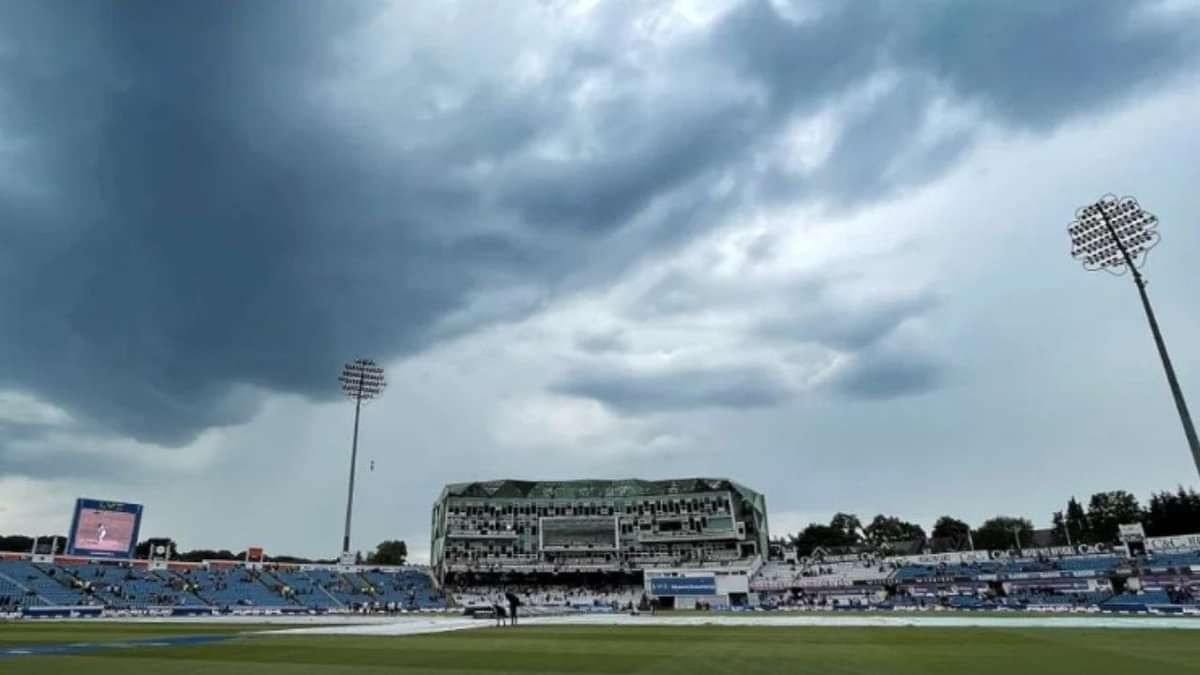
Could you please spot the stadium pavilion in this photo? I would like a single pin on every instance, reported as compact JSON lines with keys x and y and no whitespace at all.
{"x":695,"y":538}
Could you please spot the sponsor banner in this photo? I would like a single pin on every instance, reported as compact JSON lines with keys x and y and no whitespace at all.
{"x":1024,"y":576}
{"x":956,"y":558}
{"x":1053,"y":551}
{"x":61,"y":612}
{"x":852,"y":557}
{"x":1049,"y":552}
{"x":674,"y":586}
{"x":822,"y":581}
{"x":1185,"y":542}
{"x":1076,"y":574}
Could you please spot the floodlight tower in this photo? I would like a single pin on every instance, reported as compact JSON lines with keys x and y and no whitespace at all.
{"x":361,"y":380}
{"x":1115,"y":235}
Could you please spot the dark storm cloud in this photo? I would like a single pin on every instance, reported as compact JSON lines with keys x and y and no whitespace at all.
{"x":180,"y":215}
{"x":637,"y":392}
{"x":200,"y":233}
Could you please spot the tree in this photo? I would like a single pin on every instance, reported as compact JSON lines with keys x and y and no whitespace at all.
{"x":389,"y":552}
{"x":144,"y":548}
{"x":849,"y":525}
{"x":17,"y":543}
{"x":1175,"y":513}
{"x":891,"y":530}
{"x":1076,"y":521}
{"x":1107,"y":510}
{"x":841,"y":532}
{"x":202,"y":554}
{"x":299,"y":560}
{"x":1001,"y":533}
{"x":950,"y":534}
{"x":1059,"y":529}
{"x":21,"y":543}
{"x":817,"y":536}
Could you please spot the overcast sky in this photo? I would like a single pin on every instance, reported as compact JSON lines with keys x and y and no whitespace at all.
{"x":819,"y":248}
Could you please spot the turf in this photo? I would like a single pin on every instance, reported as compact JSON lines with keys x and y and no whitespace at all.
{"x":600,"y":650}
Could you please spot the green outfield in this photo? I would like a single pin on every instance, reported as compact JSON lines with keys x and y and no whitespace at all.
{"x":652,"y":650}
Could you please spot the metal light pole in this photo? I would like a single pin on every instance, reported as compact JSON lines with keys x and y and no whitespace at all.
{"x":361,"y":380}
{"x":1114,"y":235}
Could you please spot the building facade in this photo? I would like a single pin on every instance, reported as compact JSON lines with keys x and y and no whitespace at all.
{"x":595,"y":526}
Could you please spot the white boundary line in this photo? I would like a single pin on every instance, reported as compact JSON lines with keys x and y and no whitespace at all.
{"x":437,"y":625}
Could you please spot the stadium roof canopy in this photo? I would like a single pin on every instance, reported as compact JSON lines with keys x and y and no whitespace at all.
{"x":595,"y":489}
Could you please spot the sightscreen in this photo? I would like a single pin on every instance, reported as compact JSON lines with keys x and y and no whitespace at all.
{"x":104,"y":528}
{"x":596,"y":533}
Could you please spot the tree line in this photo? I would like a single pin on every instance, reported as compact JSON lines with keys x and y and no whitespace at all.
{"x":1166,"y":514}
{"x":388,"y":552}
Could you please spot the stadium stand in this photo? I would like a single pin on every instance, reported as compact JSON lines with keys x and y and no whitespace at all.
{"x":592,"y":526}
{"x":304,"y":589}
{"x":616,"y":546}
{"x":239,"y":588}
{"x":407,"y":589}
{"x":987,"y":580}
{"x":352,"y":592}
{"x":43,"y":586}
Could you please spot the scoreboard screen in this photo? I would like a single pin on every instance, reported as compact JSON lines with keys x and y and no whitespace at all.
{"x":104,"y":528}
{"x":567,"y":533}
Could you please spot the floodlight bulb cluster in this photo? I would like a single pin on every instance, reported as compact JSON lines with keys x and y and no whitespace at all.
{"x":1092,"y":234}
{"x":362,"y":379}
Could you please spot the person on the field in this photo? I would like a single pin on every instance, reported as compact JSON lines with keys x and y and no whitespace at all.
{"x":513,"y":603}
{"x":498,"y":610}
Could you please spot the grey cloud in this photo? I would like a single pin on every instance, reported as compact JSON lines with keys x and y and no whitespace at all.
{"x":875,"y":152}
{"x":889,"y":373}
{"x":54,"y":450}
{"x":201,"y":221}
{"x":17,"y":432}
{"x":845,"y":325}
{"x":635,"y":392}
{"x":1033,"y":64}
{"x":38,"y":460}
{"x":652,"y":154}
{"x":1026,"y":65}
{"x":599,"y":342}
{"x":681,"y":291}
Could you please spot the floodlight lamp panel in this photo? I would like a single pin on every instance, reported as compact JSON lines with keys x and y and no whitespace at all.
{"x":362,"y":380}
{"x":1102,"y":229}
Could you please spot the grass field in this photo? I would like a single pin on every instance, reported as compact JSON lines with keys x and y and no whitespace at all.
{"x":578,"y":649}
